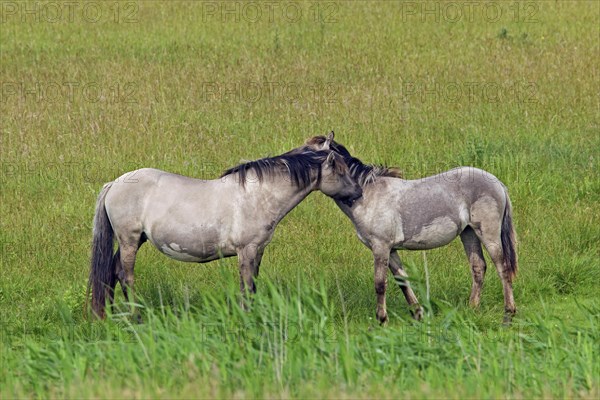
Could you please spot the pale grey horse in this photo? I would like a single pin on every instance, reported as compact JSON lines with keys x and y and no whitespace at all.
{"x":202,"y":220}
{"x":426,"y":213}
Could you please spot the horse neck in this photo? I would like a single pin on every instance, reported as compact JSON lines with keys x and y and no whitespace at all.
{"x":281,"y":196}
{"x":349,"y":211}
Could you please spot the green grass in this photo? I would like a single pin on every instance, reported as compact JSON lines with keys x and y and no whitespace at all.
{"x":304,"y":343}
{"x":184,"y":91}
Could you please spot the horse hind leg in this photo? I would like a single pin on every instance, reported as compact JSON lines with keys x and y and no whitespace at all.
{"x":401,"y":278}
{"x":115,"y":278}
{"x":474,"y":252}
{"x":119,"y":277}
{"x":492,"y":241}
{"x":125,"y":274}
{"x":120,"y":273}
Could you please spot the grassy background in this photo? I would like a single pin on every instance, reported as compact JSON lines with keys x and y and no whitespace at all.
{"x":194,"y":88}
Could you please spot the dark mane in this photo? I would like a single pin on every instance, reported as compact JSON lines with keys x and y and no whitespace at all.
{"x":297,"y":164}
{"x":362,"y":173}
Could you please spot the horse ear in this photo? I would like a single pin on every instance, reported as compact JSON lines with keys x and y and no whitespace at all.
{"x":331,"y":159}
{"x":328,"y":140}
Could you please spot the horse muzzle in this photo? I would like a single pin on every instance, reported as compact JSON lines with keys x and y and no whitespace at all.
{"x":349,"y":200}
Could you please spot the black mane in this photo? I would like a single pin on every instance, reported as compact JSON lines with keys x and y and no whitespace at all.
{"x":362,"y":173}
{"x":298,"y":165}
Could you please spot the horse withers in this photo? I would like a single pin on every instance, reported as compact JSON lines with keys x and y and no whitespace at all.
{"x":426,"y":213}
{"x":197,"y":220}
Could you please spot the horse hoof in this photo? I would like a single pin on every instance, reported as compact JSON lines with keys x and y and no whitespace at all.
{"x":474,"y":304}
{"x":245,"y":305}
{"x":508,"y":316}
{"x":382,"y":319}
{"x":417,"y":314}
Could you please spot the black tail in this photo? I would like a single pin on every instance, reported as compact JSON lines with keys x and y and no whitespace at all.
{"x":102,"y":275}
{"x":509,"y":240}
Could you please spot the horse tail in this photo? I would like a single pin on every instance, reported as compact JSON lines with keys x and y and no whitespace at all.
{"x":508,"y":237}
{"x":102,"y":274}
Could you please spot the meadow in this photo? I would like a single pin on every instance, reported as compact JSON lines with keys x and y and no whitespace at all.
{"x":90,"y":90}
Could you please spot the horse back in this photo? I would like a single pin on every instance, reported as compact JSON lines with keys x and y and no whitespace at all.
{"x":428,"y":212}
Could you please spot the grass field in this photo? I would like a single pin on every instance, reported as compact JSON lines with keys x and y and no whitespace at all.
{"x":93,"y":89}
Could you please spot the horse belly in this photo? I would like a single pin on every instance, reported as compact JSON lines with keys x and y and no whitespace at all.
{"x":191,"y":247}
{"x":439,"y":232}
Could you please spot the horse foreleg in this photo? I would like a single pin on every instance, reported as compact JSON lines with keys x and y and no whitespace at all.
{"x":381,"y":257}
{"x":401,"y":277}
{"x":247,"y":257}
{"x":256,"y":269}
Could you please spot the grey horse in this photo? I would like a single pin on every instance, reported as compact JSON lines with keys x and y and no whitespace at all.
{"x":202,"y":220}
{"x":426,"y":213}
